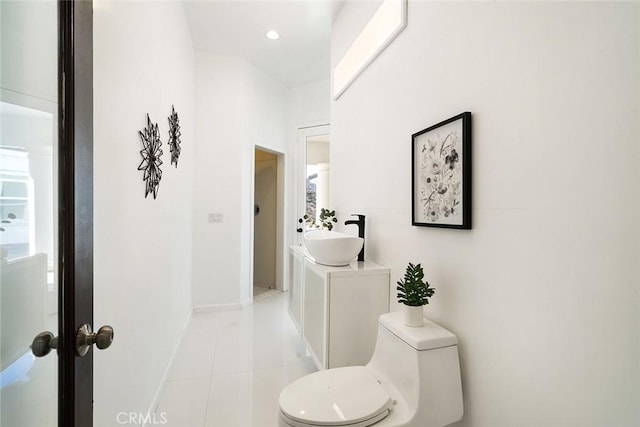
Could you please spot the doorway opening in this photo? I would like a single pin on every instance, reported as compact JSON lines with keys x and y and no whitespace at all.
{"x":268,"y":223}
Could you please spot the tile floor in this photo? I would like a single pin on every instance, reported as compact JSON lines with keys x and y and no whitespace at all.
{"x":260,"y":292}
{"x":231,"y":366}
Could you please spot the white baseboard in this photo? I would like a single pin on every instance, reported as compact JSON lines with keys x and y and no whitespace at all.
{"x":221,"y":307}
{"x":163,"y":381}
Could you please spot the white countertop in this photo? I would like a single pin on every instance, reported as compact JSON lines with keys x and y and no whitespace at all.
{"x":356,"y":267}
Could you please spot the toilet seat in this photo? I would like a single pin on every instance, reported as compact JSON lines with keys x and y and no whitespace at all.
{"x":349,"y":396}
{"x":365,"y":423}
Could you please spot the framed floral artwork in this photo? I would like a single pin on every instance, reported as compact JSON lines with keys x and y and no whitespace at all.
{"x":441,"y":174}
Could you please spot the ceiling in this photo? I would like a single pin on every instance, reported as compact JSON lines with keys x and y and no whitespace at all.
{"x":238,"y":27}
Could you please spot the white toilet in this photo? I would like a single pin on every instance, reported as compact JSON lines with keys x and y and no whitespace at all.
{"x":413,"y":379}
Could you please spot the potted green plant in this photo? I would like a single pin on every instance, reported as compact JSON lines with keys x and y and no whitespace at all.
{"x":414,"y":292}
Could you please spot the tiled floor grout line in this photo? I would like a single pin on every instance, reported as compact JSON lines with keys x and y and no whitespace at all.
{"x":213,"y":361}
{"x":236,"y":367}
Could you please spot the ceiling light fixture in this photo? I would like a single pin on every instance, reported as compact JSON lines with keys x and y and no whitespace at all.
{"x":272,"y":35}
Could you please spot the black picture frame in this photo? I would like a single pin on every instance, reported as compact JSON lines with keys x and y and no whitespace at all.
{"x":441,"y":174}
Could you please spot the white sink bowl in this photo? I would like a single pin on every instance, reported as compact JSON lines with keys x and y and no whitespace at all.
{"x":331,"y":247}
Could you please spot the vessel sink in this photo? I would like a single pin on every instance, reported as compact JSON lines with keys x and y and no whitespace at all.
{"x":331,"y":247}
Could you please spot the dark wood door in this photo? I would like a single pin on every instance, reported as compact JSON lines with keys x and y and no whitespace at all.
{"x":75,"y":382}
{"x":46,"y":209}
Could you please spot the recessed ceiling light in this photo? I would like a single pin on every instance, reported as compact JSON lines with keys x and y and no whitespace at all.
{"x":272,"y":35}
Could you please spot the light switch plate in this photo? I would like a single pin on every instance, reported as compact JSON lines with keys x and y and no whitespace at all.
{"x":216,"y":218}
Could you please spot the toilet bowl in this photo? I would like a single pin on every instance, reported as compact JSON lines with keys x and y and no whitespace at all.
{"x":412,"y":379}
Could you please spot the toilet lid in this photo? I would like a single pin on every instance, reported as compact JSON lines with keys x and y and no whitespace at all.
{"x":336,"y":397}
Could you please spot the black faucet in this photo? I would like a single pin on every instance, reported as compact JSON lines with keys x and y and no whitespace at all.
{"x":360,"y":223}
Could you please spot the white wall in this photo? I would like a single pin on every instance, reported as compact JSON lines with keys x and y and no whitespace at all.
{"x":544,"y":292}
{"x":266,"y":122}
{"x":238,"y":107}
{"x":143,"y":63}
{"x":308,"y":105}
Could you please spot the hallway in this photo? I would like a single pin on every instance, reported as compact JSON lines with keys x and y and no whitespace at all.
{"x":231,"y":366}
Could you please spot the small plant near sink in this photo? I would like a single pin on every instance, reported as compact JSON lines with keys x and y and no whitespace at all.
{"x":414,"y":292}
{"x":327,"y":219}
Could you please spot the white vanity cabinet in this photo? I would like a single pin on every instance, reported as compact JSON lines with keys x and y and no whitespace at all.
{"x":296,"y":268}
{"x":336,"y":309}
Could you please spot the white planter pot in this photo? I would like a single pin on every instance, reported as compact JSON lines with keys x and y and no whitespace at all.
{"x":413,"y":316}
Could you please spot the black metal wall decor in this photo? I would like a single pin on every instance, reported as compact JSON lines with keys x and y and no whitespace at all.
{"x":174,"y":136}
{"x":151,"y":153}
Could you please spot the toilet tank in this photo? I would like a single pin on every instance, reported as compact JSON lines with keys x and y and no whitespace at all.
{"x":428,"y":337}
{"x":421,"y":365}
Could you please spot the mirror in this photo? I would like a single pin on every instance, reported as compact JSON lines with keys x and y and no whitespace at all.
{"x":317,"y":175}
{"x":312,"y":177}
